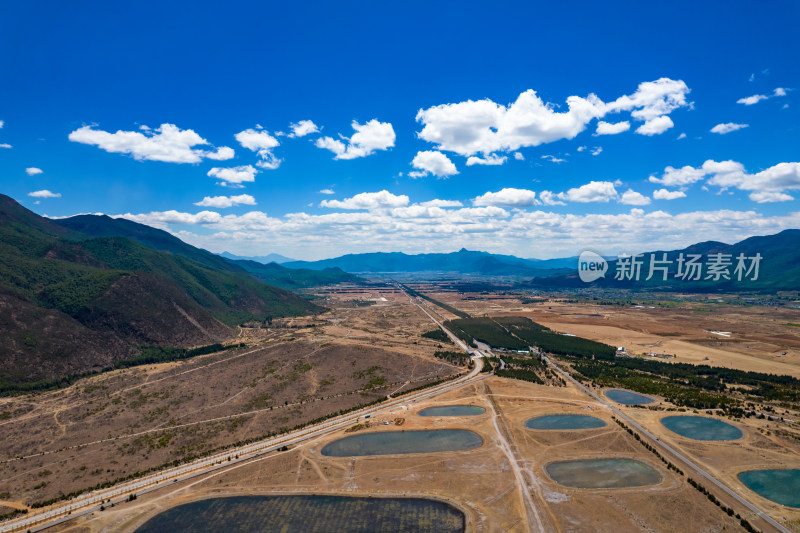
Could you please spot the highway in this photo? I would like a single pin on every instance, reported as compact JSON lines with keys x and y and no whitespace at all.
{"x":38,"y":520}
{"x":659,"y":444}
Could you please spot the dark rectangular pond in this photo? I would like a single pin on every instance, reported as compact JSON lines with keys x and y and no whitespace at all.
{"x":564,"y":422}
{"x":452,"y":410}
{"x":401,"y":442}
{"x":603,"y":473}
{"x":626,"y":397}
{"x":781,"y":486}
{"x":701,"y":428}
{"x":308,"y":514}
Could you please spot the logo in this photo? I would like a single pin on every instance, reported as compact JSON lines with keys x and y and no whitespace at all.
{"x":591,"y":266}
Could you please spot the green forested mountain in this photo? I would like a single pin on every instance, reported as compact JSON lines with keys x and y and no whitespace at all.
{"x":73,"y":303}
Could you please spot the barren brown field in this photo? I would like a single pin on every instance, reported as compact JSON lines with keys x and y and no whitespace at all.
{"x":501,"y":486}
{"x":115,"y":424}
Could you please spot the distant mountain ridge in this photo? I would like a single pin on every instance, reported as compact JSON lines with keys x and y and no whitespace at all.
{"x":778,"y":269}
{"x":464,"y":262}
{"x":265,"y":259}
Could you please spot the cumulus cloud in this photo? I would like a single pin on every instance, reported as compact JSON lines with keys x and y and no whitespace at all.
{"x":234,"y":175}
{"x":507,"y":197}
{"x":518,"y":156}
{"x":553,"y":159}
{"x":770,"y":196}
{"x":484,"y":127}
{"x":750,"y":100}
{"x":679,"y":177}
{"x":728,"y":127}
{"x":594,"y":191}
{"x":768,"y":185}
{"x":417,"y":228}
{"x":550,"y":198}
{"x":5,"y":145}
{"x":606,"y":128}
{"x":327,"y":191}
{"x":365,"y":141}
{"x":681,"y":136}
{"x":432,"y":162}
{"x":756,"y":98}
{"x":631,"y":197}
{"x":441,"y":203}
{"x":491,"y":160}
{"x":44,"y":193}
{"x":368,"y":200}
{"x":303,"y":128}
{"x":597,"y":150}
{"x":655,"y":126}
{"x":261,"y":142}
{"x":167,"y":143}
{"x":665,"y":194}
{"x":32,"y":171}
{"x":222,"y":202}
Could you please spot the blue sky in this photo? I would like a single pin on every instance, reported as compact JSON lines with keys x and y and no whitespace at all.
{"x":147,"y":111}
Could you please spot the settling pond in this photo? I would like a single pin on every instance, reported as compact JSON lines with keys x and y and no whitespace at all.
{"x":401,"y":442}
{"x":308,"y":513}
{"x":626,"y":397}
{"x":453,"y":410}
{"x":603,"y":473}
{"x":565,"y":422}
{"x":701,"y":428}
{"x":780,"y":486}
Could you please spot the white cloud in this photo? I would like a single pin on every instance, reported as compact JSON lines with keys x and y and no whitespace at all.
{"x":655,"y":126}
{"x":766,"y":186}
{"x":5,"y":145}
{"x":368,"y":200}
{"x":366,"y":140}
{"x":420,"y":229}
{"x":472,"y":127}
{"x":507,"y":197}
{"x":234,"y":175}
{"x":606,"y":128}
{"x":441,"y":203}
{"x":327,"y":191}
{"x":770,"y":196}
{"x":727,"y":127}
{"x":518,"y":156}
{"x":631,"y":197}
{"x":679,"y":177}
{"x":664,"y":194}
{"x":597,"y":150}
{"x":594,"y":191}
{"x":44,"y":194}
{"x":483,"y":127}
{"x":432,"y":162}
{"x":779,"y":91}
{"x":550,"y":198}
{"x":681,"y":136}
{"x":491,"y":160}
{"x":226,"y":201}
{"x":261,"y":142}
{"x":32,"y":171}
{"x":166,"y":143}
{"x":750,"y":100}
{"x":581,"y":148}
{"x":553,"y":159}
{"x":2,"y":123}
{"x":303,"y":128}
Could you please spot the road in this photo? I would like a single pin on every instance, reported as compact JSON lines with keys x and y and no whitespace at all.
{"x":87,"y":503}
{"x":659,"y":444}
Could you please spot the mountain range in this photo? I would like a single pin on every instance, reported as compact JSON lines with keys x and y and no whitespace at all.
{"x":266,"y":259}
{"x":461,"y":262}
{"x":81,"y":293}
